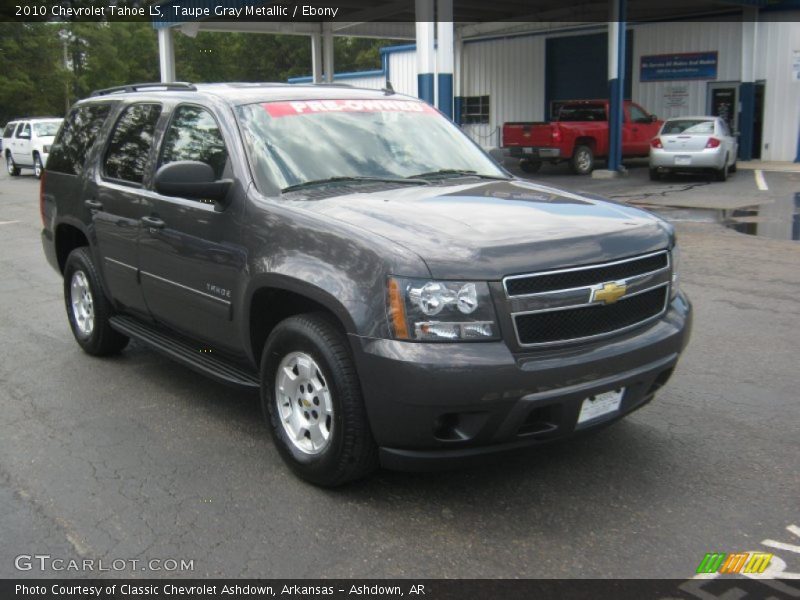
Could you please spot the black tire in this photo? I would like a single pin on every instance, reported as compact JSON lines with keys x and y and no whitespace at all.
{"x":351,"y":452}
{"x":655,"y":175}
{"x":102,"y":340}
{"x":530,"y":166}
{"x":582,"y":160}
{"x":11,"y":166}
{"x":733,"y":168}
{"x":38,"y":167}
{"x":722,"y":174}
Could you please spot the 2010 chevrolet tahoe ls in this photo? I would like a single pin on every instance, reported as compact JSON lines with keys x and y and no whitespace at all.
{"x":396,"y":296}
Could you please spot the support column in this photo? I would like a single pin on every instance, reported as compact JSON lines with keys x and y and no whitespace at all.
{"x":426,"y":59}
{"x":316,"y":57}
{"x":327,"y":54}
{"x":166,"y":54}
{"x":444,"y":56}
{"x":458,"y":77}
{"x":616,"y":83}
{"x":747,"y":89}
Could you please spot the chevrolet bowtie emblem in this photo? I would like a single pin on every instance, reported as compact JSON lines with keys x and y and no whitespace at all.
{"x":609,"y":293}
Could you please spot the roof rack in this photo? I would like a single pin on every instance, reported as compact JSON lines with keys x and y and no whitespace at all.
{"x":135,"y":87}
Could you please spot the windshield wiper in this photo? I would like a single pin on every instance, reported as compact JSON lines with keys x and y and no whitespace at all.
{"x":444,"y":173}
{"x":355,"y":179}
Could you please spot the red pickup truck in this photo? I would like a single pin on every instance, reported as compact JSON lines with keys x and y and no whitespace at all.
{"x":579,"y":135}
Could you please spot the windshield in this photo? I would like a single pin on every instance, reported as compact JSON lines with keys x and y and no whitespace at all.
{"x":292,"y":143}
{"x":688,"y":126}
{"x":46,"y":128}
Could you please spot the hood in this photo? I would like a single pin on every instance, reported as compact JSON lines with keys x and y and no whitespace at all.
{"x":487,"y":230}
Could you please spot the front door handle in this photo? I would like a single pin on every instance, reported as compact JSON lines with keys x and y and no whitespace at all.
{"x":93,"y":205}
{"x":153,"y":222}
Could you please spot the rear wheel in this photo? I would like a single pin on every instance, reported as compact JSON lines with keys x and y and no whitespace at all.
{"x":722,"y":174}
{"x":582,"y":160}
{"x":88,"y":309}
{"x":530,"y":166}
{"x":312,"y":401}
{"x":733,"y":167}
{"x":13,"y":169}
{"x":38,"y":168}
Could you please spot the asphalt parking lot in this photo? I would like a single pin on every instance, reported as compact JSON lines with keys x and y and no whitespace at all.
{"x":136,"y":457}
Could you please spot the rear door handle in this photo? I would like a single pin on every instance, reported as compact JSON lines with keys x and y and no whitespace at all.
{"x":153,"y":222}
{"x":93,"y":205}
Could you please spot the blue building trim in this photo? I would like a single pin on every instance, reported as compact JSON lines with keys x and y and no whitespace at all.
{"x":445,"y":84}
{"x":383,"y":71}
{"x":339,"y":76}
{"x":747,"y":100}
{"x":616,"y":91}
{"x":425,"y":90}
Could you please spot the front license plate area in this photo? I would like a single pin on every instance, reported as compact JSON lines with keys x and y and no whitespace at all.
{"x":683,"y":161}
{"x":600,"y":405}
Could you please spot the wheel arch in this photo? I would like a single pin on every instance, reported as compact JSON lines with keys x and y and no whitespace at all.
{"x":67,"y":237}
{"x":272,"y":298}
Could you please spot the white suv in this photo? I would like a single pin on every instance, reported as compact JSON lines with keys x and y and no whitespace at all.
{"x":26,"y":143}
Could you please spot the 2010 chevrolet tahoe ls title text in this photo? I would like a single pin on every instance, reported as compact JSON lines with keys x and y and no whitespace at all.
{"x":398,"y":298}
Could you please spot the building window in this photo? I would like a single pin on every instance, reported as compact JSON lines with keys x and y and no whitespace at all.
{"x":474,"y":110}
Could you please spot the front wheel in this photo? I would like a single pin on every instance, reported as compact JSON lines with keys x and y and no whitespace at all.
{"x":12,"y":168}
{"x":88,"y":309}
{"x":38,"y":167}
{"x":582,"y":160}
{"x":311,"y":398}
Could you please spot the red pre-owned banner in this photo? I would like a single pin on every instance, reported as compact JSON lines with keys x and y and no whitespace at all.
{"x":305,"y":107}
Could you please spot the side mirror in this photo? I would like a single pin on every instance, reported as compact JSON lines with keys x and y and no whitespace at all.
{"x":653,"y":118}
{"x":191,"y":179}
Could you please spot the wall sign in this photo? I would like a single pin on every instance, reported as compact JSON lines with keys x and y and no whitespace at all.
{"x":676,"y":96}
{"x":675,"y":67}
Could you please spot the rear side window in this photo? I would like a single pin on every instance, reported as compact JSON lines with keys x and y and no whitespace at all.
{"x":129,"y":149}
{"x":76,"y":138}
{"x":193,"y":134}
{"x":9,"y":130}
{"x":582,"y":112}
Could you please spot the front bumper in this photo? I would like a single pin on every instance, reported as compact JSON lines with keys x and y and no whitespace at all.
{"x":708,"y":158}
{"x":440,"y":405}
{"x":532,"y":152}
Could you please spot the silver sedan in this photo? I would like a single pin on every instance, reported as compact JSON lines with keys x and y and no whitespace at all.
{"x":693,"y":144}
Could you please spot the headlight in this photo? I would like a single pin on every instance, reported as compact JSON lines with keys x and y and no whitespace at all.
{"x":675,"y":262}
{"x":441,"y":310}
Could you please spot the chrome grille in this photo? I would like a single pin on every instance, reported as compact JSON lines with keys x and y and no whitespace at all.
{"x":569,"y":306}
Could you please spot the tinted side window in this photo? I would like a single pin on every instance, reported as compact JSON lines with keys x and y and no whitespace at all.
{"x":76,"y":138}
{"x":24,"y":130}
{"x":130,"y":144}
{"x":193,"y":134}
{"x":638,"y":115}
{"x":9,"y":130}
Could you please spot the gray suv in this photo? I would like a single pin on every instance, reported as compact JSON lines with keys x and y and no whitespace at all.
{"x":397,"y":298}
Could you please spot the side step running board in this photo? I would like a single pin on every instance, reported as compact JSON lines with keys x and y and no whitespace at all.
{"x":184,"y":352}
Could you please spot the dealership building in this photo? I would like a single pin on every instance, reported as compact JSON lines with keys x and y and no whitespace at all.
{"x":739,"y":60}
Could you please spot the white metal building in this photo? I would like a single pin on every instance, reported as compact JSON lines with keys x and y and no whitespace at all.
{"x":743,"y":64}
{"x":511,"y":71}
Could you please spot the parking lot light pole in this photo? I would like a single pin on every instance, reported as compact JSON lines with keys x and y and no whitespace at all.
{"x":426,"y":59}
{"x":444,"y":56}
{"x":316,"y":57}
{"x":616,"y":82}
{"x":327,"y":51}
